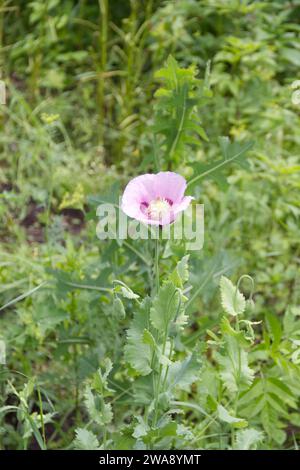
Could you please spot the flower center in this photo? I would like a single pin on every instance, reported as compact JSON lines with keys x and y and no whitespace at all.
{"x":158,"y":209}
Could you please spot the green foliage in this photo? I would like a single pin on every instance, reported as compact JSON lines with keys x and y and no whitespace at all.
{"x":248,"y":439}
{"x":232,"y":152}
{"x":270,"y":399}
{"x":31,"y":423}
{"x":85,"y":440}
{"x":151,"y":352}
{"x":228,"y":418}
{"x":138,"y":350}
{"x":166,"y":307}
{"x":176,"y":110}
{"x":182,"y":374}
{"x":233,"y":302}
{"x":234,"y":369}
{"x":98,"y":92}
{"x":180,"y":275}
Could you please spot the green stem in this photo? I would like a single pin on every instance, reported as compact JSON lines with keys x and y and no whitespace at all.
{"x":170,"y":358}
{"x":75,"y":360}
{"x":238,"y":375}
{"x":215,"y":168}
{"x":103,"y":38}
{"x":156,"y":266}
{"x":41,"y":414}
{"x":157,"y":388}
{"x":179,"y":131}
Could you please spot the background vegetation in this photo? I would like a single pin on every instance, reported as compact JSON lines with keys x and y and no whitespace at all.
{"x":83,"y":116}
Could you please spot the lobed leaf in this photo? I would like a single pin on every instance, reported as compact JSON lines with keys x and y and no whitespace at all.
{"x":233,"y":301}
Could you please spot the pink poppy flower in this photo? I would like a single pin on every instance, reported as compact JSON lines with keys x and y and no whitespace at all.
{"x":155,"y":199}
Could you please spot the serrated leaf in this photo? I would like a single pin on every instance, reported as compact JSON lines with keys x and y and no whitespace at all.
{"x":183,"y":373}
{"x":141,"y":429}
{"x":248,"y":439}
{"x":227,"y":329}
{"x":164,"y":431}
{"x":232,"y":300}
{"x":165,"y":306}
{"x":99,"y":382}
{"x":128,"y":293}
{"x":99,"y":411}
{"x":85,"y":440}
{"x":180,"y":275}
{"x":137,"y":352}
{"x":149,"y":339}
{"x":226,"y":417}
{"x":234,"y":369}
